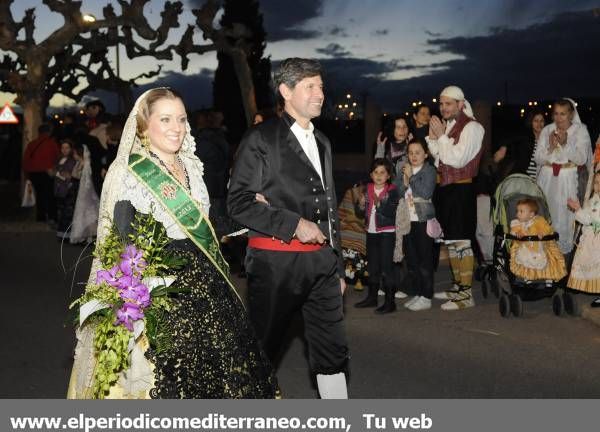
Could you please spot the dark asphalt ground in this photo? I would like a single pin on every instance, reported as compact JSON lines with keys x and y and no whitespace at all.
{"x":432,"y":354}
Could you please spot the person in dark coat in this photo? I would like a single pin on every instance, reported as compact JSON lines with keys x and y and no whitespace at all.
{"x":515,"y":155}
{"x":421,"y":116}
{"x":39,"y":159}
{"x":213,"y":150}
{"x":294,"y":259}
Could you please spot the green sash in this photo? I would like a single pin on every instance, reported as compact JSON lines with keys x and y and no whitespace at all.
{"x":182,"y":208}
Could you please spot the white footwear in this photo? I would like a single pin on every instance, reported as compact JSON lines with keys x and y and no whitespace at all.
{"x":400,"y":295}
{"x":411,"y":301}
{"x":380,"y":293}
{"x":448,"y":294}
{"x":332,"y":386}
{"x":462,"y":300}
{"x":423,"y":303}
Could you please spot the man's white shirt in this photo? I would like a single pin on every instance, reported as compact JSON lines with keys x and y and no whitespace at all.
{"x":308,"y":142}
{"x":459,"y":155}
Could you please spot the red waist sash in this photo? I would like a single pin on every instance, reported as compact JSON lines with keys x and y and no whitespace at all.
{"x":269,"y":243}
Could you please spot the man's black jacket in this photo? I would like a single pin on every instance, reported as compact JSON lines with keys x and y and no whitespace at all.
{"x":272,"y":162}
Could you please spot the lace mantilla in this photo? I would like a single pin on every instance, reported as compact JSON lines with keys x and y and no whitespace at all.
{"x":144,"y":202}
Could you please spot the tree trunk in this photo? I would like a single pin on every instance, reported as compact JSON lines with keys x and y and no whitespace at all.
{"x":33,"y":112}
{"x":244,"y":76}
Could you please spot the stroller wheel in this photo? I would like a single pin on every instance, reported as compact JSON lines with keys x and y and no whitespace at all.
{"x":516,"y":305}
{"x":570,"y":302}
{"x":557,"y":304}
{"x":500,"y":284}
{"x":504,"y":306}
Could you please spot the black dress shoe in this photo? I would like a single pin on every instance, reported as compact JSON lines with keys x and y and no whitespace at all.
{"x":386,"y":308}
{"x":595,"y":303}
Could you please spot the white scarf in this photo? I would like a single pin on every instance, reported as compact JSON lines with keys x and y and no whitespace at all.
{"x":456,"y":93}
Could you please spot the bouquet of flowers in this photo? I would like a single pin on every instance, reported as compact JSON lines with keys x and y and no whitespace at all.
{"x":130,"y":297}
{"x":356,"y":268}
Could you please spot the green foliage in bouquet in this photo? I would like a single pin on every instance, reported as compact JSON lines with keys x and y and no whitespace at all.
{"x":111,"y":343}
{"x":120,"y":288}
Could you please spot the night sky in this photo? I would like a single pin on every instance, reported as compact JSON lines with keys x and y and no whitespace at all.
{"x":401,"y":50}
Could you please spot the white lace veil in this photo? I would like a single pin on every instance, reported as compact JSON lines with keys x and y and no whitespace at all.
{"x":113,"y":182}
{"x":576,"y":118}
{"x":139,"y":378}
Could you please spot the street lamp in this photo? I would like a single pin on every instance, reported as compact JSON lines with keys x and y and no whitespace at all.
{"x":88,"y":18}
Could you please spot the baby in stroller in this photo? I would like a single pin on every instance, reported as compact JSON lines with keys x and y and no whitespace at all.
{"x":534,"y":256}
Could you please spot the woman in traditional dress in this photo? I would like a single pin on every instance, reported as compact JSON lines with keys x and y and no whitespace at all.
{"x":563,"y":154}
{"x":585,"y":272}
{"x":85,"y":212}
{"x":213,"y":352}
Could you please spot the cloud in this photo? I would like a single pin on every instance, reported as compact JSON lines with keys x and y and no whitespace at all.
{"x":334,"y":50}
{"x":520,"y":13}
{"x":283,"y":22}
{"x":196,"y":90}
{"x":432,"y":34}
{"x":338,"y":32}
{"x":537,"y":61}
{"x":558,"y":57}
{"x":380,"y":32}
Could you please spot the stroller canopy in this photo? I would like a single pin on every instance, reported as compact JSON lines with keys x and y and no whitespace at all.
{"x":512,"y":189}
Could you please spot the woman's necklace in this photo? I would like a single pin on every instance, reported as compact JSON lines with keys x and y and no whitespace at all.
{"x":176,"y":169}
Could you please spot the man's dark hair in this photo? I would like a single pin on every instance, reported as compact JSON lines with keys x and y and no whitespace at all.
{"x":293,"y":70}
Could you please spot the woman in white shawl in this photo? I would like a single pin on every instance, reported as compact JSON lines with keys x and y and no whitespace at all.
{"x":564,"y":152}
{"x":85,"y":214}
{"x":213,"y":351}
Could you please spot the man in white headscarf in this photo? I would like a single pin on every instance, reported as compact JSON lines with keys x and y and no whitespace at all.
{"x":456,"y":144}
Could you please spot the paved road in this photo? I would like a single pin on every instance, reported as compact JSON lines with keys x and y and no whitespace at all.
{"x":433,"y":354}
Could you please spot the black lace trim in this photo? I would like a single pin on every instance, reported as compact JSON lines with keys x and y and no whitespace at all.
{"x":214,"y":352}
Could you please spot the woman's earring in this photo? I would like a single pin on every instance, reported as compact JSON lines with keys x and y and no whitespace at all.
{"x":145,"y":141}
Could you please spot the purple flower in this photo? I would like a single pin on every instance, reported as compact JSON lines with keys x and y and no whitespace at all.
{"x":127,"y":281}
{"x":137,"y":293}
{"x":127,"y":314}
{"x":132,"y":261}
{"x":108,"y":276}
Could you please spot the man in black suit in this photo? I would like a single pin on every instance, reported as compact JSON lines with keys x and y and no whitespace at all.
{"x":293,"y":260}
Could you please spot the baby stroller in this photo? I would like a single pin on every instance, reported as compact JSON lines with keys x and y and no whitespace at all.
{"x":511,"y":290}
